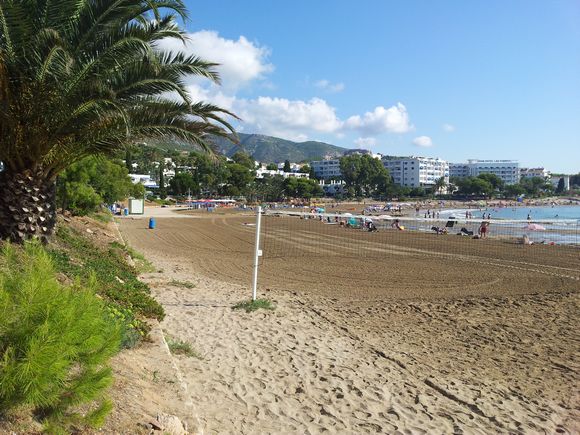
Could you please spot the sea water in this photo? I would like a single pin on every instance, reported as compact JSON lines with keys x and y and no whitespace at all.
{"x":562,"y":222}
{"x":521,"y":212}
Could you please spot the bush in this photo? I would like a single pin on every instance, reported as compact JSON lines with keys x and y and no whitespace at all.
{"x":128,"y":300}
{"x":253,"y":305}
{"x":55,"y":342}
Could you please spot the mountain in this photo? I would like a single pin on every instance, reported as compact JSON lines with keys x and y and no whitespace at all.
{"x":273,"y":149}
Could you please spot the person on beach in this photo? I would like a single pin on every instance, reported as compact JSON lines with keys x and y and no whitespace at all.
{"x":396,"y":224}
{"x":529,"y":217}
{"x":483,"y":229}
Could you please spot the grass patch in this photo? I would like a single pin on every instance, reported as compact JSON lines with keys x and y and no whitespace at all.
{"x":184,"y":284}
{"x":141,"y":263}
{"x":129,"y":299}
{"x":250,"y":306}
{"x":103,"y":216}
{"x":180,"y":347}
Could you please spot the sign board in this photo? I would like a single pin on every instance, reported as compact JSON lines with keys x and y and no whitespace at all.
{"x":136,"y":206}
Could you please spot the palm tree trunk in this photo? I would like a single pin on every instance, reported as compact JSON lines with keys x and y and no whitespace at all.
{"x":27,"y":206}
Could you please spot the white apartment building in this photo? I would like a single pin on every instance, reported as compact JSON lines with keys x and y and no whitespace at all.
{"x":326,"y":169}
{"x":332,"y":188}
{"x":507,"y":170}
{"x":555,"y":180}
{"x":534,"y":172}
{"x":144,"y":179}
{"x":294,"y":167}
{"x":416,"y":171}
{"x":261,"y":172}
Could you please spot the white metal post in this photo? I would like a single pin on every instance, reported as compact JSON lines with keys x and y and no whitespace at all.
{"x":257,"y":252}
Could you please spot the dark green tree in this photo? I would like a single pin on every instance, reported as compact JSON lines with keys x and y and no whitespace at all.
{"x":305,"y":169}
{"x":514,"y":190}
{"x":129,"y":160}
{"x":162,"y":190}
{"x":302,"y":188}
{"x":364,"y":175}
{"x":535,"y":186}
{"x":244,"y":160}
{"x":238,"y":179}
{"x":87,"y":184}
{"x":81,"y":78}
{"x":561,"y":186}
{"x":182,"y":184}
{"x":270,"y":188}
{"x":439,"y":185}
{"x":495,"y":181}
{"x":287,"y":166}
{"x":272,"y":167}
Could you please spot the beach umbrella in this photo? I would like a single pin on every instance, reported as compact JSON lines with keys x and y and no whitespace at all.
{"x":535,"y":227}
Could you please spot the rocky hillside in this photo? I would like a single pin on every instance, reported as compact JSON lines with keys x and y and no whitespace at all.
{"x":273,"y":149}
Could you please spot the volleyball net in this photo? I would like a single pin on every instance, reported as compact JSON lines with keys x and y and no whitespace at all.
{"x":301,"y":233}
{"x":400,"y":255}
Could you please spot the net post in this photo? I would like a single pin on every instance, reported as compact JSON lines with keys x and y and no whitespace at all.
{"x":256,"y":253}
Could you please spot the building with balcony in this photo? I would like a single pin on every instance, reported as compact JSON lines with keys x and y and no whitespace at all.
{"x":507,"y":170}
{"x":416,"y":171}
{"x":534,"y":173}
{"x":326,"y":169}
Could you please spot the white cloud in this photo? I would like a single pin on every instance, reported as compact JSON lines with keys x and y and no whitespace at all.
{"x":294,"y":119}
{"x":395,"y":119}
{"x":365,"y":142}
{"x":423,"y":141}
{"x":328,"y":86}
{"x":288,"y":118}
{"x":241,"y":61}
{"x":448,"y":128}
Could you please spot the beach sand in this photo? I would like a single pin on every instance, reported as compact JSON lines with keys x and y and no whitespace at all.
{"x":492,"y":358}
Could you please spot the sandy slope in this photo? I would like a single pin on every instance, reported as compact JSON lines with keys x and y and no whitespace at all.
{"x":467,"y":363}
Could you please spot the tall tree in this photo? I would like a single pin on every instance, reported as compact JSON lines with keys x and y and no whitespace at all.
{"x":244,"y":160}
{"x":439,"y":185}
{"x":80,"y":78}
{"x":287,"y":166}
{"x":364,"y":175}
{"x":162,"y":190}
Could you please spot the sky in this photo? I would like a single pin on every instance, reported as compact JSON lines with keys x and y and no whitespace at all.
{"x":459,"y":80}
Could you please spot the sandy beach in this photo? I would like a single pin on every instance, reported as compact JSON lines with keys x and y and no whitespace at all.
{"x":350,"y":355}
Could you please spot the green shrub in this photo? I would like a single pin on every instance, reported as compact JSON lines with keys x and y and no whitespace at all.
{"x":55,"y":342}
{"x":252,"y":305}
{"x":117,"y":280}
{"x":180,"y":347}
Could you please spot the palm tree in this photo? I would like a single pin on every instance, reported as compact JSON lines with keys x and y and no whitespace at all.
{"x":80,"y":78}
{"x":439,"y":185}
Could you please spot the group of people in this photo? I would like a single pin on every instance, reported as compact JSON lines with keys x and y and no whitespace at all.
{"x":432,"y":214}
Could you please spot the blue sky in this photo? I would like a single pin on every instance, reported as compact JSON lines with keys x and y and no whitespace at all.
{"x":452,"y":79}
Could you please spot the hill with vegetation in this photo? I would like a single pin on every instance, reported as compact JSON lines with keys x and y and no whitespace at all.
{"x":274,"y":149}
{"x":262,"y":148}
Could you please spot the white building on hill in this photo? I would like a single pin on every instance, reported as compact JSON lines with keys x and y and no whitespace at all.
{"x":332,"y":188}
{"x":555,"y":180}
{"x":325,"y":169}
{"x":416,"y":171}
{"x":507,"y":170}
{"x":261,"y":172}
{"x":145,"y":180}
{"x":534,"y":173}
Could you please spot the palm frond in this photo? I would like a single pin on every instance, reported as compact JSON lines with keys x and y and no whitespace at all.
{"x":81,"y":77}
